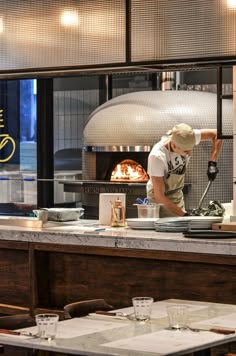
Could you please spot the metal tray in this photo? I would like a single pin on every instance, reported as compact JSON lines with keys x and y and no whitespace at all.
{"x":211,"y":234}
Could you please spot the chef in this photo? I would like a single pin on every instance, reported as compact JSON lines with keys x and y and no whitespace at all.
{"x":167,"y":164}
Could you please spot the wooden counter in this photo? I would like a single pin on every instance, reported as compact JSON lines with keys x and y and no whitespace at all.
{"x":44,"y":269}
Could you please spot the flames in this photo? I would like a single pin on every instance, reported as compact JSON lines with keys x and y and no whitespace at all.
{"x":129,"y":170}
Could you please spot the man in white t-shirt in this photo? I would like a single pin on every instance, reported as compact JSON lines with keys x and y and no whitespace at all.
{"x":167,"y":164}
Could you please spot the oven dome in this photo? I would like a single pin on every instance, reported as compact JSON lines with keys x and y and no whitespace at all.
{"x":141,"y":118}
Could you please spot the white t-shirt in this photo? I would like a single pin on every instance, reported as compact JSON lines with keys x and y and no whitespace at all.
{"x":162,"y":162}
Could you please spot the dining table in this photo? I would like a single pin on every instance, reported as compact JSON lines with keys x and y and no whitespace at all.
{"x":119,"y":333}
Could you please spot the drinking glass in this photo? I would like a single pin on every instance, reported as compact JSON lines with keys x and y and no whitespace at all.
{"x":47,"y":325}
{"x":142,"y":308}
{"x":178,"y":316}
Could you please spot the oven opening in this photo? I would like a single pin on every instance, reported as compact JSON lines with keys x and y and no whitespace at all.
{"x":129,"y":170}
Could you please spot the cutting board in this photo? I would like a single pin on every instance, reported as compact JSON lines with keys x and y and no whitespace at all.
{"x":21,"y":221}
{"x":224,"y":226}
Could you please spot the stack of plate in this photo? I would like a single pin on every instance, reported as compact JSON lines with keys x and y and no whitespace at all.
{"x":204,"y":222}
{"x":142,"y":223}
{"x":183,"y":224}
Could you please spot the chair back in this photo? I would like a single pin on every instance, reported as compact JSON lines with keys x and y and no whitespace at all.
{"x":83,"y":308}
{"x":17,"y":321}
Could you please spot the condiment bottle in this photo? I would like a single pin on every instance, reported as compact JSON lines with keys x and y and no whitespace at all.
{"x":117,"y":213}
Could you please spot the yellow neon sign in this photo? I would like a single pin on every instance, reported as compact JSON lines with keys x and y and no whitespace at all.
{"x":6,"y":139}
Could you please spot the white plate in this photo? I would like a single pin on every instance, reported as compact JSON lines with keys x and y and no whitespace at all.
{"x":141,"y":227}
{"x":194,"y":222}
{"x":142,"y":223}
{"x":192,"y":218}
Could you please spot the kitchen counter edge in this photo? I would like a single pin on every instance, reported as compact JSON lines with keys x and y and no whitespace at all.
{"x":87,"y":234}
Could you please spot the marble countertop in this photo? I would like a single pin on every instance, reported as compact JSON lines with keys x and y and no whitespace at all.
{"x":89,"y":233}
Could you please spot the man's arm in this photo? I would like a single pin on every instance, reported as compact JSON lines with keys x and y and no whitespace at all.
{"x":159,"y":193}
{"x":211,"y":134}
{"x":212,"y":170}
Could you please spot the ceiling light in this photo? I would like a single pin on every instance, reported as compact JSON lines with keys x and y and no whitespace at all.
{"x":1,"y":25}
{"x":70,"y":18}
{"x":231,"y":4}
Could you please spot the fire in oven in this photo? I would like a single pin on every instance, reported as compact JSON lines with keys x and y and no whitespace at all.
{"x":129,"y":171}
{"x":122,"y":166}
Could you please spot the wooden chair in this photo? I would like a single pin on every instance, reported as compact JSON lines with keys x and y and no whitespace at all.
{"x":12,"y":322}
{"x":17,"y":321}
{"x":83,"y":308}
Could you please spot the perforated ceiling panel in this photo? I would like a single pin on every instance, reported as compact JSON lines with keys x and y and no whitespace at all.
{"x":56,"y":33}
{"x":180,"y":29}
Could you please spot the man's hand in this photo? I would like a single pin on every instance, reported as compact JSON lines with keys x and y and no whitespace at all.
{"x":194,"y":212}
{"x":212,"y":170}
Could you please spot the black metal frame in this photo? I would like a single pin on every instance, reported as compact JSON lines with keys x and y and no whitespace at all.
{"x":124,"y":67}
{"x":45,"y":161}
{"x":128,"y":32}
{"x":105,"y":88}
{"x":221,"y":97}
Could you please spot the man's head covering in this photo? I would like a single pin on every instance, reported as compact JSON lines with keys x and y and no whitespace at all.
{"x":183,"y":137}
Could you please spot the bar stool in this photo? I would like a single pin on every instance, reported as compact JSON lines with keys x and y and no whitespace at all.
{"x":83,"y":308}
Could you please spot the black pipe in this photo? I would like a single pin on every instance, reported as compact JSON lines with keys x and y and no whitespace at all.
{"x":105,"y":88}
{"x":45,"y":161}
{"x":128,"y":33}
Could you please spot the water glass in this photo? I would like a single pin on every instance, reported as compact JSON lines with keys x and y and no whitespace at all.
{"x":142,"y":308}
{"x":47,"y":325}
{"x":178,"y":316}
{"x":148,"y":211}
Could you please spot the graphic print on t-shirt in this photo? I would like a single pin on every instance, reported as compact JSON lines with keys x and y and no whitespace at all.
{"x":177,"y":165}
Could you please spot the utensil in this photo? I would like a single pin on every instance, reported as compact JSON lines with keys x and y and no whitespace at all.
{"x":115,"y":314}
{"x":9,"y":332}
{"x":18,"y":333}
{"x":102,"y":312}
{"x":197,"y":212}
{"x":204,"y":194}
{"x":145,"y":201}
{"x":214,"y":330}
{"x":29,"y":334}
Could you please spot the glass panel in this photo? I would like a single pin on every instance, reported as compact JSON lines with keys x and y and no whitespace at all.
{"x":164,"y":30}
{"x":18,"y":185}
{"x":62,"y":33}
{"x":74,"y":100}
